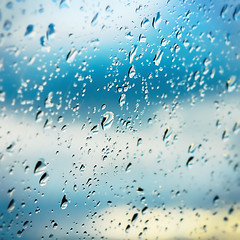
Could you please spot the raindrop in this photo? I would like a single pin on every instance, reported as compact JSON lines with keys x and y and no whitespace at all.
{"x":145,"y":23}
{"x":231,"y":83}
{"x":224,"y":11}
{"x":167,"y":134}
{"x":64,"y":4}
{"x":95,"y":130}
{"x":158,"y":57}
{"x":29,"y":30}
{"x":122,"y":100}
{"x":71,"y":55}
{"x":128,"y":168}
{"x":39,"y":167}
{"x":132,"y":53}
{"x":142,"y":38}
{"x":236,"y":13}
{"x":64,"y":202}
{"x":225,"y":135}
{"x":139,"y":142}
{"x":189,"y":162}
{"x":131,"y":72}
{"x":11,"y":206}
{"x":127,"y":228}
{"x":44,"y":178}
{"x":94,"y":20}
{"x":7,"y":25}
{"x":236,"y":127}
{"x":157,"y":20}
{"x":134,"y":218}
{"x":107,"y":120}
{"x":51,"y":31}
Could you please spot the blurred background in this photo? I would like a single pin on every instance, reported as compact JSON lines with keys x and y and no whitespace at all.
{"x":119,"y":119}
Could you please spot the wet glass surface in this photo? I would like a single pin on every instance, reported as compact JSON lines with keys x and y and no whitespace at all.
{"x":119,"y":119}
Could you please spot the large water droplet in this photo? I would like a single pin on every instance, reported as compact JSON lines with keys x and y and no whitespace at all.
{"x":7,"y":25}
{"x":51,"y":31}
{"x":29,"y":31}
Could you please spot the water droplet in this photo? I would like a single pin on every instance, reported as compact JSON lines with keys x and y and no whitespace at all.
{"x":134,"y":218}
{"x":144,"y":209}
{"x":157,"y":20}
{"x":164,"y":42}
{"x":216,"y":199}
{"x":107,"y":120}
{"x":71,"y":55}
{"x":236,"y":127}
{"x":44,"y":178}
{"x":189,"y":162}
{"x":128,"y":168}
{"x":236,"y":13}
{"x":129,"y":36}
{"x":39,"y":167}
{"x":132,"y":53}
{"x":139,"y":142}
{"x":122,"y":100}
{"x":95,"y":130}
{"x":142,"y":38}
{"x":167,"y":134}
{"x":158,"y":57}
{"x":64,"y":202}
{"x":224,"y":11}
{"x":7,"y":25}
{"x":127,"y":228}
{"x":29,"y":31}
{"x":191,"y":148}
{"x":145,"y":23}
{"x":50,"y":31}
{"x":2,"y":96}
{"x":48,"y":101}
{"x":94,"y":20}
{"x":11,"y":205}
{"x":131,"y":71}
{"x":231,"y":83}
{"x":225,"y":135}
{"x":64,"y":4}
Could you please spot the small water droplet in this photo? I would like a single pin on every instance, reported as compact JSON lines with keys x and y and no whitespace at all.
{"x":131,"y":72}
{"x":225,"y":135}
{"x":71,"y":55}
{"x":95,"y":130}
{"x":64,"y":4}
{"x":167,"y":134}
{"x":94,"y":20}
{"x":158,"y":57}
{"x":128,"y":168}
{"x":39,"y":167}
{"x":64,"y":202}
{"x":127,"y":228}
{"x":122,"y":100}
{"x":236,"y":13}
{"x":231,"y":83}
{"x":134,"y":218}
{"x":145,"y":23}
{"x":44,"y":178}
{"x":132,"y":53}
{"x":139,"y":142}
{"x":189,"y":162}
{"x":157,"y":20}
{"x":236,"y":127}
{"x":29,"y":31}
{"x":7,"y":25}
{"x":224,"y":11}
{"x":107,"y":120}
{"x":11,"y":205}
{"x":50,"y":31}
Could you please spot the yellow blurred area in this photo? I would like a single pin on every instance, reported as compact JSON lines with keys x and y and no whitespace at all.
{"x":169,"y":223}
